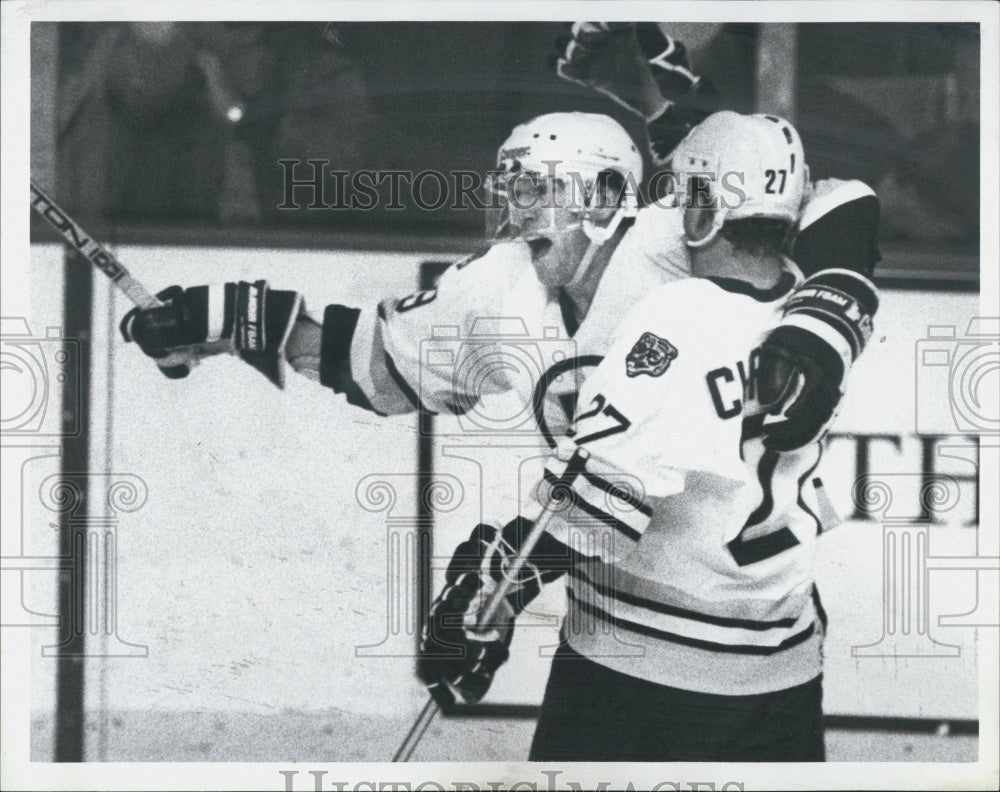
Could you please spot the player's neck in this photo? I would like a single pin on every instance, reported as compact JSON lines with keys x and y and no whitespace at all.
{"x":762,"y":272}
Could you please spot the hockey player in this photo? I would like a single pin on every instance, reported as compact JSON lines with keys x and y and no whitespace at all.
{"x":372,"y":354}
{"x":567,"y":260}
{"x":565,"y":264}
{"x":564,"y":217}
{"x":694,"y":631}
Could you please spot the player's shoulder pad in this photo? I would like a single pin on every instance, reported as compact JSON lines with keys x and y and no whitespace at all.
{"x":678,"y":305}
{"x":488,"y":267}
{"x":496,"y":258}
{"x":660,"y":218}
{"x":658,"y":235}
{"x":475,"y":255}
{"x":473,"y":264}
{"x":838,"y":228}
{"x":675,"y":292}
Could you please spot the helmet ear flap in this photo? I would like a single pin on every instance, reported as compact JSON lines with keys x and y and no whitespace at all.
{"x":702,"y":218}
{"x":610,"y":185}
{"x":701,"y":226}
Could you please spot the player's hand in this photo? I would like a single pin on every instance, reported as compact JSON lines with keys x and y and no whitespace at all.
{"x":804,"y":362}
{"x":167,"y":333}
{"x":458,"y":653}
{"x":248,"y":319}
{"x":636,"y":65}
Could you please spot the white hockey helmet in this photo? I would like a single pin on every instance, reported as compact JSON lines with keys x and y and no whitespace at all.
{"x":575,"y":148}
{"x":753,"y":165}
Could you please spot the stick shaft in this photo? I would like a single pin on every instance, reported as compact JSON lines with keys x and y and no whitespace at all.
{"x":405,"y":751}
{"x":90,"y":248}
{"x":510,"y":575}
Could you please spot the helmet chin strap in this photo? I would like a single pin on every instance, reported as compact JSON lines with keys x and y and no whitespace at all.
{"x":601,"y":234}
{"x":598,"y":236}
{"x":629,"y":207}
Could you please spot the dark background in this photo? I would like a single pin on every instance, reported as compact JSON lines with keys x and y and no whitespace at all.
{"x":141,"y":139}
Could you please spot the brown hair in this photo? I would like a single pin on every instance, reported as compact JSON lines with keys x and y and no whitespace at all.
{"x":761,"y":236}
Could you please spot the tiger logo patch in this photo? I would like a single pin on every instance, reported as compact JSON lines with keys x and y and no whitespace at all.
{"x":650,"y":355}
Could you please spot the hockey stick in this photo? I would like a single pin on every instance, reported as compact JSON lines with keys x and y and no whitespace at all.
{"x":574,"y":468}
{"x":90,"y":248}
{"x":100,"y":257}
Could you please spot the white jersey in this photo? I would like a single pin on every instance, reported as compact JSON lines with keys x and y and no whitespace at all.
{"x":721,"y":602}
{"x":695,"y":543}
{"x":490,"y":326}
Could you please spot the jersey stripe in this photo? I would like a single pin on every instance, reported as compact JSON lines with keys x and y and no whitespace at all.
{"x":734,"y":604}
{"x":578,"y":500}
{"x":619,"y":493}
{"x":703,"y":630}
{"x":752,"y":551}
{"x":338,"y":332}
{"x":597,"y":489}
{"x":652,"y":632}
{"x":673,"y":610}
{"x":801,"y":501}
{"x":818,"y":605}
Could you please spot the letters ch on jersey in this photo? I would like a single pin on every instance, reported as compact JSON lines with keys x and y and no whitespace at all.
{"x":728,"y":391}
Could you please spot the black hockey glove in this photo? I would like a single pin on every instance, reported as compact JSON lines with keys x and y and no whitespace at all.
{"x":458,"y":653}
{"x":635,"y":65}
{"x":804,"y":362}
{"x":644,"y":70}
{"x":248,"y":319}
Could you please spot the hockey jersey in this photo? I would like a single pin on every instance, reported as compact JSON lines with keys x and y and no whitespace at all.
{"x":683,"y":614}
{"x":490,"y":327}
{"x":694,"y":543}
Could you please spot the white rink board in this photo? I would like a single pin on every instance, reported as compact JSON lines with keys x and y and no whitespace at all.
{"x":252,"y":573}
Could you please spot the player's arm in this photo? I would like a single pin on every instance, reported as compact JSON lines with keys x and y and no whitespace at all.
{"x":646,"y":71}
{"x":388,"y":358}
{"x":838,"y":228}
{"x":827,"y":321}
{"x":267,"y":328}
{"x":324,"y":350}
{"x":345,"y":350}
{"x":246,"y":319}
{"x":372,"y":356}
{"x":805,"y":360}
